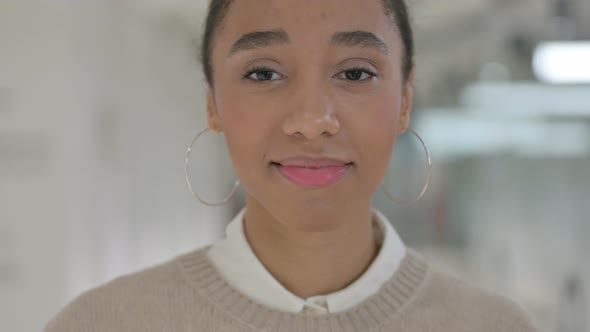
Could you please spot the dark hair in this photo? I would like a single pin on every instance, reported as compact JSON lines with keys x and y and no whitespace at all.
{"x":218,"y":9}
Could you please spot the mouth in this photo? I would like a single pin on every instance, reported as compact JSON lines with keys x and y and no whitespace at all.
{"x":313,"y":173}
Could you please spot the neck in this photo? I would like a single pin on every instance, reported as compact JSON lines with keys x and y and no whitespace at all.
{"x":318,"y":262}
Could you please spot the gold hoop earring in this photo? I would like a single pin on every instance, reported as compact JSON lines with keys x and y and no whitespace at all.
{"x":428,"y":174}
{"x":188,"y":182}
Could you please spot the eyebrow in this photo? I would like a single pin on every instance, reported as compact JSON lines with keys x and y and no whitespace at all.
{"x":260,"y":39}
{"x":359,"y":38}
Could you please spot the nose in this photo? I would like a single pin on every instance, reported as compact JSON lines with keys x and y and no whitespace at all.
{"x":312,"y":113}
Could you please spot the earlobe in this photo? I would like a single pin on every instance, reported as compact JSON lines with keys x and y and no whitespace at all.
{"x":212,"y":114}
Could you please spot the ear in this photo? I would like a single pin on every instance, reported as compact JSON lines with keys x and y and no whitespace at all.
{"x":408,"y":96}
{"x":212,"y":114}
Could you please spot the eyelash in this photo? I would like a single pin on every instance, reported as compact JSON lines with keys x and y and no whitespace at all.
{"x":246,"y":75}
{"x":367,"y":71}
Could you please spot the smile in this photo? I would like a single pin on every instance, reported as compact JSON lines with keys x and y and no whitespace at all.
{"x":313,"y":176}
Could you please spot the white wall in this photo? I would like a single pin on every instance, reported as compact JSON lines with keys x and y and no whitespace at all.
{"x":100,"y":101}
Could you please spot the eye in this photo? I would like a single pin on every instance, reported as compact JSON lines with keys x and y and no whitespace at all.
{"x":357,"y":74}
{"x":261,"y":74}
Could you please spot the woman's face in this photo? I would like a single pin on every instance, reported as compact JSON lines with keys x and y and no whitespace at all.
{"x":296,"y":81}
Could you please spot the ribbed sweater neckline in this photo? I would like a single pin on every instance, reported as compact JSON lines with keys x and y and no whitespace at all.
{"x":375,"y":311}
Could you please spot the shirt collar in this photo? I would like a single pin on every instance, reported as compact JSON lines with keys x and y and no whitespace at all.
{"x":236,"y":261}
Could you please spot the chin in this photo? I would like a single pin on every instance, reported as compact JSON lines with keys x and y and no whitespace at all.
{"x":312,"y":216}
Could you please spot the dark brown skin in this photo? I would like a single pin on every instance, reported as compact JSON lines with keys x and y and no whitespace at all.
{"x":312,"y":240}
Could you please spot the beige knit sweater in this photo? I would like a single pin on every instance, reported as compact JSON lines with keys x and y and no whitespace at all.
{"x":188,"y":294}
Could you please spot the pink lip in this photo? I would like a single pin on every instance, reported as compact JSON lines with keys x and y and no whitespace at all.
{"x":307,"y":172}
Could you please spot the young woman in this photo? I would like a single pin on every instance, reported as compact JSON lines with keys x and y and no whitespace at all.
{"x":310,"y":96}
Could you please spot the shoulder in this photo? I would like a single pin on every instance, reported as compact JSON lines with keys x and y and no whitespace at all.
{"x":449,"y":299}
{"x":117,"y":303}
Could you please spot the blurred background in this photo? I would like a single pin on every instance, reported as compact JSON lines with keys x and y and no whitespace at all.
{"x":100,"y":99}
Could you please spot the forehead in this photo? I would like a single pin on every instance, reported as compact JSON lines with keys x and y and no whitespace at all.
{"x":308,"y":20}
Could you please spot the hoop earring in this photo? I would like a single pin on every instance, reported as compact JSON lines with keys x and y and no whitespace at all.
{"x":188,"y":182}
{"x":390,"y":196}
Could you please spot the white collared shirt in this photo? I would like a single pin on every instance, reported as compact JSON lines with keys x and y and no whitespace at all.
{"x":242,"y":269}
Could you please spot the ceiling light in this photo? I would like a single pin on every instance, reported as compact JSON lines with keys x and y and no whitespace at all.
{"x":562,"y":62}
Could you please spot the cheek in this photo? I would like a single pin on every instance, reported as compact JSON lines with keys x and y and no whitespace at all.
{"x":245,"y":132}
{"x":380,"y":142}
{"x":374,"y":131}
